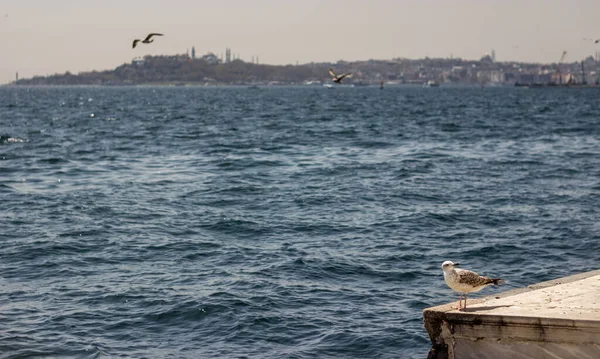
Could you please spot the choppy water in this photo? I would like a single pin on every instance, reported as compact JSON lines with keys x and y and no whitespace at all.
{"x":280,"y":222}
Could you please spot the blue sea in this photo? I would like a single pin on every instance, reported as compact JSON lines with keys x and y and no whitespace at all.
{"x":279,"y":222}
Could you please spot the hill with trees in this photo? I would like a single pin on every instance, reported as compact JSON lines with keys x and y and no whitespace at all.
{"x":209,"y":70}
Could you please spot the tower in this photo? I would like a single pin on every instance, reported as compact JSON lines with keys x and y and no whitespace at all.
{"x":17,"y":77}
{"x":227,"y":55}
{"x":493,"y":55}
{"x":193,"y":52}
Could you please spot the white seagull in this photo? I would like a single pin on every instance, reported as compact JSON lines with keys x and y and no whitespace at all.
{"x":338,"y":78}
{"x":147,"y":40}
{"x":465,"y":281}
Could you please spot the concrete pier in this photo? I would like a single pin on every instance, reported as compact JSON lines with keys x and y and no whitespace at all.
{"x":554,"y":319}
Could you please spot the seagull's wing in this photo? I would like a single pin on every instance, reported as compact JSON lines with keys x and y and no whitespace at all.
{"x":332,"y":73}
{"x":472,"y":279}
{"x":135,"y":42}
{"x":150,"y":36}
{"x":349,"y":74}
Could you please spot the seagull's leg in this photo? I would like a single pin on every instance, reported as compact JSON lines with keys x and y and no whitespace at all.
{"x":465,"y":301}
{"x":460,"y":301}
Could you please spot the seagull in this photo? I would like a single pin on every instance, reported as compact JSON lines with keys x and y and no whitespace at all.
{"x":597,"y":41}
{"x":465,"y":281}
{"x":147,"y":40}
{"x":338,"y":79}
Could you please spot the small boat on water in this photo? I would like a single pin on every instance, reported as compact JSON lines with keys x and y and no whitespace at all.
{"x":431,"y":83}
{"x":333,"y":86}
{"x":312,"y":83}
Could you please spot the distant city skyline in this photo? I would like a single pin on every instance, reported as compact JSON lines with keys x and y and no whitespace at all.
{"x":40,"y":37}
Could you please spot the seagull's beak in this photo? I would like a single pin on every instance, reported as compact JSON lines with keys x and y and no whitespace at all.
{"x":456,"y":264}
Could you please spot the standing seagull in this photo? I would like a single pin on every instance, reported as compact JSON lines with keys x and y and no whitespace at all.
{"x":338,"y":79}
{"x":465,"y":281}
{"x":147,"y":40}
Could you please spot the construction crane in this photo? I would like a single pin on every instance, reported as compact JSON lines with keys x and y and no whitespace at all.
{"x":562,"y":58}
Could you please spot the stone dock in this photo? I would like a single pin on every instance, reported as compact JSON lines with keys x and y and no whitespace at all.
{"x":554,"y":319}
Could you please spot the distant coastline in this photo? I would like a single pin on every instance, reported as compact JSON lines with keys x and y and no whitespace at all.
{"x":183,"y":70}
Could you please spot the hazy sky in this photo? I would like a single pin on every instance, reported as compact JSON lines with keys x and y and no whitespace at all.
{"x":39,"y":37}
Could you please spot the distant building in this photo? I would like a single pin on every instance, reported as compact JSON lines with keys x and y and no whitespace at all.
{"x":510,"y":77}
{"x":193,"y":52}
{"x":227,"y":55}
{"x":544,"y":78}
{"x":496,"y":76}
{"x":483,"y":76}
{"x":527,"y":78}
{"x":138,"y":62}
{"x":211,"y":58}
{"x":486,"y":60}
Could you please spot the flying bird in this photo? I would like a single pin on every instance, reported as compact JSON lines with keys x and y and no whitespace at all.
{"x":597,"y":41}
{"x":465,"y":281}
{"x":147,"y":40}
{"x":338,"y":78}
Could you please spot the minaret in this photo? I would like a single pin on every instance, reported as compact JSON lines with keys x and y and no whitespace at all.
{"x":17,"y":77}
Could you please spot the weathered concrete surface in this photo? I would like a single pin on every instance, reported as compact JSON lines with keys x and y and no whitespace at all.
{"x":555,"y":319}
